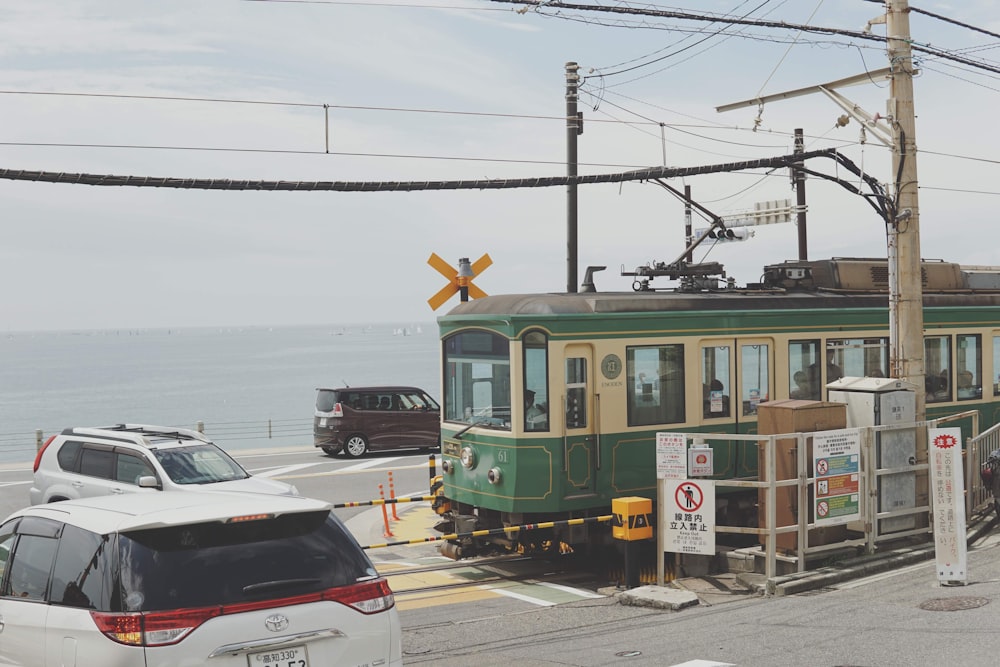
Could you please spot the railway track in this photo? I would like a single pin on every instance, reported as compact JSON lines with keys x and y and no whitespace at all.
{"x":409,"y":582}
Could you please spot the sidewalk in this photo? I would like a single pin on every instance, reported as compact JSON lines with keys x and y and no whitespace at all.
{"x":719,"y":588}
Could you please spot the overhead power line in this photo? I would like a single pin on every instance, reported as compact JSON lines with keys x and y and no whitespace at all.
{"x":549,"y":5}
{"x":406,"y":186}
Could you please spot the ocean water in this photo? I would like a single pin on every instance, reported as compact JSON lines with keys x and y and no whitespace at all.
{"x":252,"y":387}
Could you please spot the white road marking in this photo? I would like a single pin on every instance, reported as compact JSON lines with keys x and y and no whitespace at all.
{"x":581,"y":592}
{"x":704,"y":663}
{"x":281,"y":470}
{"x":518,"y":596}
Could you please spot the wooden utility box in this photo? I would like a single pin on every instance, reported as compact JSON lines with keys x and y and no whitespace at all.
{"x":794,"y":416}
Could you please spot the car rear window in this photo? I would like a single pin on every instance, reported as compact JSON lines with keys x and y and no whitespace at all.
{"x":325,"y":400}
{"x":209,"y":564}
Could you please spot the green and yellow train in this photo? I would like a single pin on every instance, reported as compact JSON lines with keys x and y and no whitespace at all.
{"x":551,"y":402}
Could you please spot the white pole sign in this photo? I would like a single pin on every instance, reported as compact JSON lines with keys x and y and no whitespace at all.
{"x":948,"y":496}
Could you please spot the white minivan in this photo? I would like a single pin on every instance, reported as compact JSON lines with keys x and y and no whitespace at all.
{"x":178,"y":579}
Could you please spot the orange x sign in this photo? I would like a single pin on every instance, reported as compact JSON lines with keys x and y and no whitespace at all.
{"x":455,"y":281}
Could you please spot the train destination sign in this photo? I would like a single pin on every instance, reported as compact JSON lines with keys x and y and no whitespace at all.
{"x":836,"y":468}
{"x":689,"y":524}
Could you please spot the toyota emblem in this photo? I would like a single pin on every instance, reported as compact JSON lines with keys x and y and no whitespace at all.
{"x":276,"y":622}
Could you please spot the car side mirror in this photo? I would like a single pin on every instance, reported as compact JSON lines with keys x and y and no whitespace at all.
{"x":149,"y":482}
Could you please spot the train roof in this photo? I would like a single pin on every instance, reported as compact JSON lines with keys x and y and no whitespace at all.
{"x":798,"y":285}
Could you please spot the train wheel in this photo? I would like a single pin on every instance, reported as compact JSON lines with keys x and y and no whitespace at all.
{"x":356,"y":446}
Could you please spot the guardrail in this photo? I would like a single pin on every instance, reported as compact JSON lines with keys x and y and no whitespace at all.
{"x":23,"y":446}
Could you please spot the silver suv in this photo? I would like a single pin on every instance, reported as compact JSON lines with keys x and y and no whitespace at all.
{"x":167,"y":579}
{"x":129,"y":458}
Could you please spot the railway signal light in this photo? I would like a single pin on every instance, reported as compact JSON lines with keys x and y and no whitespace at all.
{"x":459,"y":281}
{"x":727,"y":234}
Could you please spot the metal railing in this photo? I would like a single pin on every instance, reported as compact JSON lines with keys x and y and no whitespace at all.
{"x":875,"y":524}
{"x":23,"y":446}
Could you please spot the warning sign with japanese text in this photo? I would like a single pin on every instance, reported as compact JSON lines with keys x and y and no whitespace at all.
{"x":836,"y":468}
{"x":948,"y":496}
{"x":689,"y":523}
{"x":671,"y":456}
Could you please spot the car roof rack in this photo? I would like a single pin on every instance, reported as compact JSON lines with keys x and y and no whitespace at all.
{"x":142,"y":433}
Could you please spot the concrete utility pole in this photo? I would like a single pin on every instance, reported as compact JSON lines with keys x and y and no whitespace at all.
{"x":574,"y":127}
{"x":799,"y":180}
{"x":906,"y":296}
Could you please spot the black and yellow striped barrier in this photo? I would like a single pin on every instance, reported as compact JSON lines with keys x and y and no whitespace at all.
{"x":383,"y":501}
{"x":496,"y":531}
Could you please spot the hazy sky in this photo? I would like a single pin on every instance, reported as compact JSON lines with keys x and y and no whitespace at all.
{"x":78,"y":257}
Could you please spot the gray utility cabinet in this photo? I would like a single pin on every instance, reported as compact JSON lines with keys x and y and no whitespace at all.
{"x":882,"y":402}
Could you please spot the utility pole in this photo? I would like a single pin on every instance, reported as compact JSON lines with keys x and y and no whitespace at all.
{"x":799,"y":179}
{"x":906,"y":297}
{"x":688,"y":235}
{"x":574,"y":127}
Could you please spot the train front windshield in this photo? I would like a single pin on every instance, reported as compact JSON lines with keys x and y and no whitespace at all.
{"x":477,"y":379}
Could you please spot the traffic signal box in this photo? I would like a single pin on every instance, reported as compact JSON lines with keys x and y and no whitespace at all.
{"x":633,"y":518}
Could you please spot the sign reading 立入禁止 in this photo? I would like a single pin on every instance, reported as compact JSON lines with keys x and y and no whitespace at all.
{"x":689,"y":525}
{"x":671,"y":456}
{"x":948,"y":496}
{"x":836,"y":466}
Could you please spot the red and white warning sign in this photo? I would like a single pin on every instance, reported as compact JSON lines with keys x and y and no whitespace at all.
{"x":948,"y":495}
{"x":688,"y":523}
{"x":700,"y":462}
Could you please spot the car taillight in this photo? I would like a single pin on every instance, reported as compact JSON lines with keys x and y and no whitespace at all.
{"x":156,"y":628}
{"x":162,"y":628}
{"x":38,"y":456}
{"x":338,"y":410}
{"x":369,"y":597}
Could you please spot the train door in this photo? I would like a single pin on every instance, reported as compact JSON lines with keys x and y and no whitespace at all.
{"x":716,"y":362}
{"x":581,"y":426}
{"x":753,"y":380}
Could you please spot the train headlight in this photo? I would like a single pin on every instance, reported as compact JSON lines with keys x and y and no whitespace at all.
{"x":447,"y":466}
{"x":468,"y":458}
{"x":494,"y":476}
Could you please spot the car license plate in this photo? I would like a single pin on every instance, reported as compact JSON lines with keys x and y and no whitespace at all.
{"x":322,"y":422}
{"x":293,"y":656}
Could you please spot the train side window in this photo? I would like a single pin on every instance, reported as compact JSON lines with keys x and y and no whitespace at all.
{"x":937,"y":368}
{"x":655,"y":378}
{"x":968,"y":364}
{"x":715,"y":381}
{"x":803,"y":380}
{"x":755,"y":374}
{"x":858,"y":357}
{"x":536,"y":385}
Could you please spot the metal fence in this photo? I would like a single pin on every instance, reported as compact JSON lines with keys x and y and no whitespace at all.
{"x":23,"y":446}
{"x":878,"y":521}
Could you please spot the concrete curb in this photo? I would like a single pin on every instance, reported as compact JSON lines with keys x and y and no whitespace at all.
{"x":675,"y":596}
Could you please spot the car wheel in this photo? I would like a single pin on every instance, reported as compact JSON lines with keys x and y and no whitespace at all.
{"x":356,"y":446}
{"x":331,"y":451}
